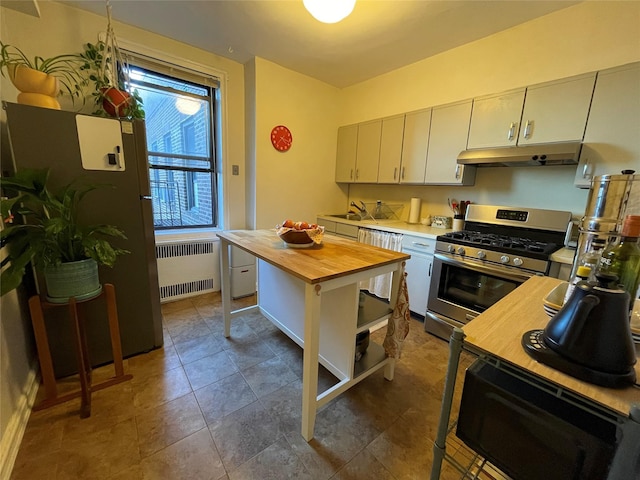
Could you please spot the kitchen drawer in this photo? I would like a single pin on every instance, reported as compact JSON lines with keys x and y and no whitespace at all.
{"x":347,"y":230}
{"x":426,"y":245}
{"x":329,"y":226}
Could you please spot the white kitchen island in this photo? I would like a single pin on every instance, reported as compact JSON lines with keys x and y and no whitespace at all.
{"x":312,"y":295}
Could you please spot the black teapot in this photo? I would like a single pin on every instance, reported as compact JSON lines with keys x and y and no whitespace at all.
{"x":590,"y":337}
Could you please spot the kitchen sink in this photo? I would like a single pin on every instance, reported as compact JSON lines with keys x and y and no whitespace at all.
{"x":348,"y":216}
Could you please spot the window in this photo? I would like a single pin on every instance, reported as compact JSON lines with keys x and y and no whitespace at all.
{"x":179,"y":116}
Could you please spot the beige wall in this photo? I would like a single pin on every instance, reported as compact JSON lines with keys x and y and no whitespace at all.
{"x":586,"y":37}
{"x":299,"y":183}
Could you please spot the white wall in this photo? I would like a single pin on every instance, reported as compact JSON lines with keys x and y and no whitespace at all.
{"x":299,"y":183}
{"x":586,"y":37}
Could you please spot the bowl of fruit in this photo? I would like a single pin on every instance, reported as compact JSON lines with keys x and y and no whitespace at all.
{"x":300,"y":234}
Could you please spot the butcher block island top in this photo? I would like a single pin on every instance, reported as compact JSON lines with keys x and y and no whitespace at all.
{"x":334,"y":258}
{"x":498,"y":331}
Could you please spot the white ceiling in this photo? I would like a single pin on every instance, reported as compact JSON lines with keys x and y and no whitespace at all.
{"x":379,"y":36}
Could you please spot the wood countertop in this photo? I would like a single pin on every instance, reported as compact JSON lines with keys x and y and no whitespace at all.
{"x":335,"y":257}
{"x":498,"y":331}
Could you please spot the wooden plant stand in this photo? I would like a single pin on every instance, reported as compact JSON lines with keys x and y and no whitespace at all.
{"x":36,"y":307}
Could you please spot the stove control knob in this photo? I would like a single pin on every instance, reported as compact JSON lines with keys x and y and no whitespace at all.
{"x":517,"y":261}
{"x":504,"y":259}
{"x":451,"y":249}
{"x":481,"y":254}
{"x":461,"y":250}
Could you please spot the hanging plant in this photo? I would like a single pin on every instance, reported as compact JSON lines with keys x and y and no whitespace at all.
{"x":109,"y":72}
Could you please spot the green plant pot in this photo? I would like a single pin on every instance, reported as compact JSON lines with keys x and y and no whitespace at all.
{"x":72,"y":279}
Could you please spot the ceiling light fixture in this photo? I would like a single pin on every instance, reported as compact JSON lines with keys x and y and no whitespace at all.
{"x":329,"y":11}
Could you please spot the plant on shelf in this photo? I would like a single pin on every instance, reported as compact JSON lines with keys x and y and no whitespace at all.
{"x":51,"y":236}
{"x":40,"y":80}
{"x":109,"y":75}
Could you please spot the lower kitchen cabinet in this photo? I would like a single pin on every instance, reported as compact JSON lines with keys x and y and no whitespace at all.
{"x":611,"y":141}
{"x":418,"y":269}
{"x":448,"y":137}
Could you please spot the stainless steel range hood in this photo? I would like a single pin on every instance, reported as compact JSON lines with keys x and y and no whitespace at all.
{"x":526,"y":156}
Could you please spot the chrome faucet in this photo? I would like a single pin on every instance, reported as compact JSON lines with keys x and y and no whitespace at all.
{"x":362,"y":208}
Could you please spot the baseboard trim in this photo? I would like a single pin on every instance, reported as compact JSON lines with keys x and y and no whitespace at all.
{"x":12,"y":437}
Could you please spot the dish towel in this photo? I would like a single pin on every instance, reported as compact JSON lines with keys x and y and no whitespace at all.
{"x":398,"y":325}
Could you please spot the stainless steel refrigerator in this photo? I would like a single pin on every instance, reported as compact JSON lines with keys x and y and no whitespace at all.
{"x":100,"y":151}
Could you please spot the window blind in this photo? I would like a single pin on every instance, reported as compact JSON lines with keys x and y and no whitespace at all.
{"x":169,"y":69}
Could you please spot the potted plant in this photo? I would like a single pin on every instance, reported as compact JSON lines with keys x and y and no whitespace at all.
{"x":51,"y":237}
{"x":40,"y":80}
{"x":109,"y":74}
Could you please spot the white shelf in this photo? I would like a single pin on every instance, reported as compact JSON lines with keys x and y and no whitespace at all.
{"x":371,"y":360}
{"x":372,"y":312}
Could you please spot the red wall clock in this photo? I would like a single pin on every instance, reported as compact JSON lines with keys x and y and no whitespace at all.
{"x":281,"y":138}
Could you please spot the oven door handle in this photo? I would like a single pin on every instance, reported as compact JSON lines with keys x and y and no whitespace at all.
{"x":493,"y":270}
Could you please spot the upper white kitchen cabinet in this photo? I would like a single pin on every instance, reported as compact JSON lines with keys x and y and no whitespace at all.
{"x":346,"y":153}
{"x":448,"y":137}
{"x":417,"y":126}
{"x":612,"y":138}
{"x":368,"y":151}
{"x":556,"y":111}
{"x":495,"y":120}
{"x":391,"y":149}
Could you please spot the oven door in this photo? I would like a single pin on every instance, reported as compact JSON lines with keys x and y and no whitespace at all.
{"x":462,"y":288}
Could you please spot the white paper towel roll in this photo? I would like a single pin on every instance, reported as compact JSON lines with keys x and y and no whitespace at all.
{"x":414,"y":210}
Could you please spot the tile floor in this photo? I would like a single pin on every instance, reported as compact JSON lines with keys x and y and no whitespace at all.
{"x":207,"y":407}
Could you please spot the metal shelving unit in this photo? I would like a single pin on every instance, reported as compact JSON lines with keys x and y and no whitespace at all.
{"x":471,"y":465}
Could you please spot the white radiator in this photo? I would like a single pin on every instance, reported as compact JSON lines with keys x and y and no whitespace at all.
{"x":188,"y":268}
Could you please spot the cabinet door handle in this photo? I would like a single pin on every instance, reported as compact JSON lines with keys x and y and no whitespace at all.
{"x":402,"y":174}
{"x":351,"y":174}
{"x":585,"y":170}
{"x":420,"y":244}
{"x":395,"y":172}
{"x":458,"y":172}
{"x":512,"y":131}
{"x":527,"y":129}
{"x":357,"y":173}
{"x":430,"y":265}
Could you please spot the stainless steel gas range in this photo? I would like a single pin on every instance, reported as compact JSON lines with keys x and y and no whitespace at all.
{"x":498,"y":249}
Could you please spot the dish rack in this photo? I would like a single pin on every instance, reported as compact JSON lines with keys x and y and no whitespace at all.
{"x":384,"y":211}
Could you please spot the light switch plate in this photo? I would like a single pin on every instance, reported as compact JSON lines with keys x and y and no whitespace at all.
{"x":235,"y":170}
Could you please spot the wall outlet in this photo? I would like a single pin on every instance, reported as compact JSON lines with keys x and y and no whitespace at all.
{"x":235,"y":170}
